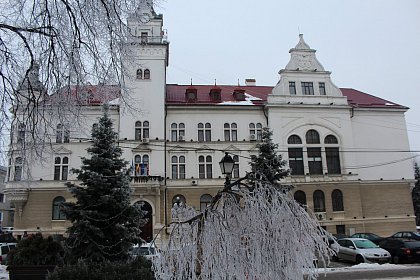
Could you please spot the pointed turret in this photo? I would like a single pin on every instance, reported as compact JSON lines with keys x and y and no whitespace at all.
{"x":303,"y":58}
{"x":31,"y":82}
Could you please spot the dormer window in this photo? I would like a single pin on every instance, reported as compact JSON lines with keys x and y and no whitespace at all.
{"x":239,"y":94}
{"x":191,"y":94}
{"x":307,"y":88}
{"x":143,"y":37}
{"x":216,"y":94}
{"x":322,"y":89}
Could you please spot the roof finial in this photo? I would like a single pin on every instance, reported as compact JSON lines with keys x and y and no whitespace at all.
{"x":238,"y":83}
{"x":191,"y":81}
{"x":215,"y":83}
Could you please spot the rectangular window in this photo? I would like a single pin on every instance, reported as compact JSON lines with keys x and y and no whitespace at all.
{"x":56,"y":173}
{"x":292,"y":88}
{"x":65,"y":172}
{"x":174,"y":171}
{"x":174,"y":135}
{"x":182,"y":171}
{"x":333,"y":160}
{"x":208,"y":135}
{"x":201,"y":171}
{"x":1,"y":197}
{"x":209,"y":170}
{"x":201,"y":135}
{"x":314,"y":161}
{"x":341,"y":229}
{"x":322,"y":89}
{"x":296,"y":161}
{"x":227,"y":134}
{"x":307,"y":88}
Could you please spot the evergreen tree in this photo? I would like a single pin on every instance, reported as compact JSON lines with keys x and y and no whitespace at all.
{"x":268,"y":163}
{"x":416,"y":193}
{"x":105,"y":224}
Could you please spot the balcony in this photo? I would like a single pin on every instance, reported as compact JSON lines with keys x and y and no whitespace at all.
{"x":149,"y":40}
{"x":147,"y":179}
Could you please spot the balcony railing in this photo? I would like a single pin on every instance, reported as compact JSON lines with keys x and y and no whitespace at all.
{"x":147,"y":179}
{"x":150,"y":39}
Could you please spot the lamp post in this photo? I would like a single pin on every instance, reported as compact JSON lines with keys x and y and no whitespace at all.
{"x":226,"y":165}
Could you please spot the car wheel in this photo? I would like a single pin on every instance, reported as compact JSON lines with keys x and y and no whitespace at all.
{"x":359,"y":259}
{"x":396,"y":260}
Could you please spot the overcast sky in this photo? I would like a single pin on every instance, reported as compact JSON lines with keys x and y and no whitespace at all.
{"x":372,"y":46}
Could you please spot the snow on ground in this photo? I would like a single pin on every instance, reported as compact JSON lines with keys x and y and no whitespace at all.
{"x":363,"y":266}
{"x":4,"y":274}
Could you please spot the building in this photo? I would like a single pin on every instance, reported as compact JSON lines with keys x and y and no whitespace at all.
{"x":6,"y":213}
{"x":343,"y":146}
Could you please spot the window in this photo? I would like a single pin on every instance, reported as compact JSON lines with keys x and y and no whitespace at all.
{"x":307,"y":88}
{"x":319,"y":201}
{"x":333,"y":160}
{"x":18,"y":169}
{"x":177,"y":132}
{"x":294,"y":139}
{"x":179,"y":200}
{"x":330,"y":139}
{"x":139,"y":74}
{"x":231,"y":132}
{"x":341,"y":229}
{"x":204,"y":132}
{"x":296,"y":161}
{"x":62,"y":134}
{"x":61,"y":168}
{"x":57,"y":209}
{"x":312,"y":137}
{"x":143,"y":37}
{"x":292,"y":88}
{"x":256,"y":129}
{"x":300,"y":197}
{"x":322,"y":89}
{"x":1,"y":197}
{"x":235,"y":172}
{"x":141,"y":129}
{"x":205,"y":169}
{"x":141,"y":165}
{"x":21,"y":133}
{"x":337,"y":200}
{"x":314,"y":161}
{"x":178,"y":167}
{"x":205,"y":201}
{"x":147,"y":74}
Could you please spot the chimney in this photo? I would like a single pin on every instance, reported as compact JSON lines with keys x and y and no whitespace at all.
{"x":250,"y":82}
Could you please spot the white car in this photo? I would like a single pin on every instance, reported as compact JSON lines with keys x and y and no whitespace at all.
{"x":147,"y":250}
{"x":361,"y":250}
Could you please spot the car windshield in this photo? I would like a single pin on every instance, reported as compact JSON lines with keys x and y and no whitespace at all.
{"x":372,"y":235}
{"x":365,"y":244}
{"x":416,"y":234}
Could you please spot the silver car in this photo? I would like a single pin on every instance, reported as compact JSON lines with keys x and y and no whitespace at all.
{"x":361,"y":250}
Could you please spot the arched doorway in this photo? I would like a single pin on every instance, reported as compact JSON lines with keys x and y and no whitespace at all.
{"x":147,"y":229}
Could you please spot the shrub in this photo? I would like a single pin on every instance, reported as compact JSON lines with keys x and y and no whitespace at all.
{"x":36,"y":250}
{"x":136,"y":269}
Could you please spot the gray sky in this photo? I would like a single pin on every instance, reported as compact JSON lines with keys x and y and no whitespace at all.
{"x":372,"y":46}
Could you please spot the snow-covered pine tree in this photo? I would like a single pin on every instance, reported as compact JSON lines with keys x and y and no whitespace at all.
{"x":105,"y":224}
{"x":268,"y":163}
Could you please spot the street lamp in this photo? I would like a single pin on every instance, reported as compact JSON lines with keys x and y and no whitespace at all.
{"x":226,"y":165}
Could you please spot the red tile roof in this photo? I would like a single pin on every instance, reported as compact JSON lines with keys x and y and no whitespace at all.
{"x":175,"y":95}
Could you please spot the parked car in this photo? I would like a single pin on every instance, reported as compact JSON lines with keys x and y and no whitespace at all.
{"x":4,"y":250}
{"x":7,"y":229}
{"x":7,"y":237}
{"x":361,"y":250}
{"x":406,"y":235}
{"x":370,"y":236}
{"x":147,"y":250}
{"x":402,"y":250}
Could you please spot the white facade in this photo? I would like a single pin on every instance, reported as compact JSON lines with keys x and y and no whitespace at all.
{"x":164,"y":131}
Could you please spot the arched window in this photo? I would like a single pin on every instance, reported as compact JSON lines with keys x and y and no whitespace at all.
{"x":319,"y":201}
{"x":204,"y":132}
{"x":178,"y":167}
{"x":205,"y":169}
{"x":179,"y":200}
{"x":61,"y":168}
{"x":231,"y":132}
{"x":205,"y":201}
{"x":141,"y":165}
{"x":312,"y":137}
{"x":141,"y":130}
{"x":337,"y":200}
{"x":57,"y":208}
{"x":177,"y":132}
{"x":62,"y":134}
{"x":139,"y":74}
{"x":147,"y":74}
{"x":18,"y":169}
{"x":256,"y":130}
{"x":294,"y":139}
{"x":330,"y":139}
{"x":300,"y":197}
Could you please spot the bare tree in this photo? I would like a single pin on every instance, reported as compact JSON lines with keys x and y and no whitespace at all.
{"x":57,"y":46}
